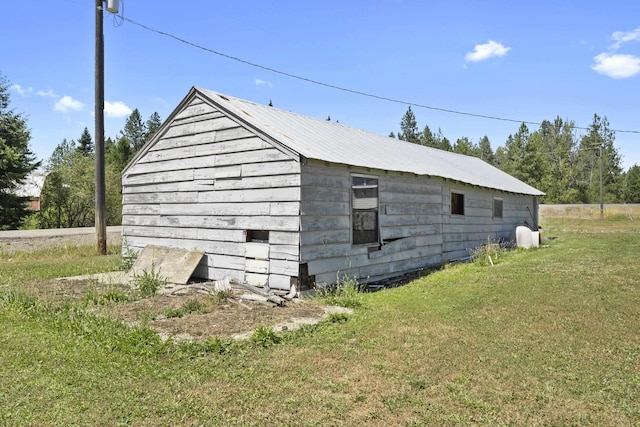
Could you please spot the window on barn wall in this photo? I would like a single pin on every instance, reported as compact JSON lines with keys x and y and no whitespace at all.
{"x":457,"y":203}
{"x":364,"y":210}
{"x":497,"y":207}
{"x":260,"y":236}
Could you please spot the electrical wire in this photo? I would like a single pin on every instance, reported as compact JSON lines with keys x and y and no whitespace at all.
{"x":344,"y":89}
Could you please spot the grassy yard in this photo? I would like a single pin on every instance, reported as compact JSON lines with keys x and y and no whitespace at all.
{"x":545,"y":337}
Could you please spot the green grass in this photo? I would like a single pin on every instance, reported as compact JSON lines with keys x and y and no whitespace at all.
{"x":545,"y":337}
{"x":21,"y":267}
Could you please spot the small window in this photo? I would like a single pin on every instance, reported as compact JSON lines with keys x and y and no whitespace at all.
{"x":497,"y":208}
{"x":457,"y":203}
{"x":259,"y":236}
{"x":364,"y":210}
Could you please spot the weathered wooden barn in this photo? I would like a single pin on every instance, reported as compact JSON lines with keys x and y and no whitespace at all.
{"x":276,"y":198}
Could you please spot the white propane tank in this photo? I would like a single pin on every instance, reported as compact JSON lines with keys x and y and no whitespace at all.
{"x":112,"y":6}
{"x":524,"y":237}
{"x":535,"y":239}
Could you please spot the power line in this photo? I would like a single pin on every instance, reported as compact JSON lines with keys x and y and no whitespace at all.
{"x":353,"y":91}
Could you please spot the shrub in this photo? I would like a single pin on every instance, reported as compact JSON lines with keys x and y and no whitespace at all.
{"x":489,"y":254}
{"x":221,"y":297}
{"x":265,"y":337}
{"x":129,"y":257}
{"x":149,"y":282}
{"x":345,"y":294}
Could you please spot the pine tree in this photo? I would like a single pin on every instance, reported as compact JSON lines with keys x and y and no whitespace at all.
{"x":409,"y":128}
{"x":135,"y":130}
{"x":465,"y":146}
{"x":85,"y":144}
{"x":484,"y":150}
{"x":153,"y":124}
{"x":599,"y":142}
{"x":16,"y":161}
{"x":442,"y":142}
{"x":515,"y":153}
{"x":559,"y":148}
{"x":427,"y":138}
{"x":632,"y":185}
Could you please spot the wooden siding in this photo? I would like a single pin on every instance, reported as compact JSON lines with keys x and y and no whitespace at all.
{"x":410,"y":211}
{"x":460,"y":233}
{"x":203,"y":184}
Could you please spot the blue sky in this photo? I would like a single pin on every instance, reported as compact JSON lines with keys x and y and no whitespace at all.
{"x":526,"y":61}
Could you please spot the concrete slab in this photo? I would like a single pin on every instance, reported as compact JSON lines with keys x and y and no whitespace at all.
{"x":112,"y":278}
{"x":172,"y":264}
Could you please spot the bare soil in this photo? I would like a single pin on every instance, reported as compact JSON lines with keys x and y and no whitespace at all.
{"x":233,"y":316}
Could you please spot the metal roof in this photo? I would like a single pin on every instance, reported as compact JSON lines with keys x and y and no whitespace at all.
{"x":337,"y":143}
{"x":32,"y":185}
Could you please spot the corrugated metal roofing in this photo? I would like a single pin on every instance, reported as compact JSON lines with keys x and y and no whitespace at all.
{"x":337,"y":143}
{"x":32,"y":186}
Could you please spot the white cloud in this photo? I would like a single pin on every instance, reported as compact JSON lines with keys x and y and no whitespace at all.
{"x":617,"y":66}
{"x":67,"y":103}
{"x":482,"y":52}
{"x":260,"y":82}
{"x":621,"y":37}
{"x":21,"y":91}
{"x":48,"y":94}
{"x":116,"y":109}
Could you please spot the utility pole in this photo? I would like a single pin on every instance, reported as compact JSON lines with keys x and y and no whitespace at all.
{"x":601,"y":192}
{"x":101,"y":224}
{"x":100,"y":197}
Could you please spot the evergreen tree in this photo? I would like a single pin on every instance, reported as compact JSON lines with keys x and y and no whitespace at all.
{"x":135,"y":130}
{"x":500,"y":158}
{"x":534,"y":166}
{"x":632,"y":185}
{"x":119,"y":154}
{"x":153,"y":124}
{"x":515,"y":153}
{"x":16,"y":162}
{"x":484,"y":150}
{"x":465,"y":146}
{"x":85,"y":144}
{"x":559,"y":146}
{"x":427,"y":137}
{"x":409,"y":128}
{"x":442,"y":142}
{"x":597,"y":143}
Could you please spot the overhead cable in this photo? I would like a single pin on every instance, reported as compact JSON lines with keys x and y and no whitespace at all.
{"x":353,"y":91}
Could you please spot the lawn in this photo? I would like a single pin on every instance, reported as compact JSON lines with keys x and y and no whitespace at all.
{"x":544,"y":337}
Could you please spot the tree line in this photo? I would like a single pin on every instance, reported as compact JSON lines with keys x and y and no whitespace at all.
{"x":552,"y":158}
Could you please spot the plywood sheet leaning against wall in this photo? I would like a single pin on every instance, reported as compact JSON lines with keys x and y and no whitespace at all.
{"x":171,"y":264}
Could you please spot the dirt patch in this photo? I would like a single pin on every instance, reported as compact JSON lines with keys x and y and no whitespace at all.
{"x":192,"y":314}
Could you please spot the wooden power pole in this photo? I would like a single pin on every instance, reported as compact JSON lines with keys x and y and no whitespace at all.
{"x":101,"y":224}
